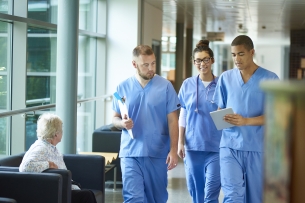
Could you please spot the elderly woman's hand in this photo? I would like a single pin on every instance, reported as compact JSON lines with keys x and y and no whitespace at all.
{"x":52,"y":165}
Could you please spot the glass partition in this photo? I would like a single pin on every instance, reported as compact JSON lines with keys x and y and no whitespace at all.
{"x":86,"y":89}
{"x":5,"y":67}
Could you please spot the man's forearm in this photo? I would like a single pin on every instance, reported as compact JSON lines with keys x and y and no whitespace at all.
{"x":117,"y":122}
{"x":173,"y":130}
{"x":259,"y":120}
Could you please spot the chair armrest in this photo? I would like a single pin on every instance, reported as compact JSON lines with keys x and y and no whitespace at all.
{"x":31,"y":187}
{"x":9,"y":169}
{"x":66,"y":182}
{"x":88,"y":170}
{"x":14,"y":160}
{"x":7,"y":200}
{"x":66,"y":179}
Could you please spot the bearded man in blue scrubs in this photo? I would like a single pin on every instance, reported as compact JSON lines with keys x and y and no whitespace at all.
{"x":241,"y":146}
{"x":152,"y":105}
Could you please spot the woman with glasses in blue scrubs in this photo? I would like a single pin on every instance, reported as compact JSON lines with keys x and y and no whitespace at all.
{"x":198,"y":137}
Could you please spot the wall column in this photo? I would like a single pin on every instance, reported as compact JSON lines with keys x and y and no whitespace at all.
{"x":66,"y":73}
{"x":179,"y":56}
{"x":188,"y":53}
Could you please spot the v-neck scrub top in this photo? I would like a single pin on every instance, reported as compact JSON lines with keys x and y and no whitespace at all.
{"x":246,"y":99}
{"x":148,"y":108}
{"x":200,"y":131}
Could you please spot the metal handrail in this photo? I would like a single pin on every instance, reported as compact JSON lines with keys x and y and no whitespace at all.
{"x":48,"y":106}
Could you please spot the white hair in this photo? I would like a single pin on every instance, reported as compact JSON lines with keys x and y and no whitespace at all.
{"x":48,"y":125}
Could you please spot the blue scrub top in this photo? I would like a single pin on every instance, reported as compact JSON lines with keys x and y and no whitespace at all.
{"x":246,"y":99}
{"x":200,"y":131}
{"x":148,"y":108}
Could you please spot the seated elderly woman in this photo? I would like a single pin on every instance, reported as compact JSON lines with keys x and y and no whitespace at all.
{"x":43,"y":154}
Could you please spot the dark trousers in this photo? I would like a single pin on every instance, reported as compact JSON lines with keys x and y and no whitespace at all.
{"x":82,"y":196}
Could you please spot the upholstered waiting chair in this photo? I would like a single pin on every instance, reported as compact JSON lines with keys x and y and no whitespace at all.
{"x":88,"y":170}
{"x":7,"y":200}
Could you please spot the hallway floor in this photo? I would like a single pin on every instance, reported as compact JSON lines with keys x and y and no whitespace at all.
{"x":177,"y":190}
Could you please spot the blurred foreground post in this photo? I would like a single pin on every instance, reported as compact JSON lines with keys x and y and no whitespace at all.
{"x":284,"y":150}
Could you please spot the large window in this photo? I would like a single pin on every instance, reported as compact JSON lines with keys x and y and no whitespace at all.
{"x":6,"y":6}
{"x":41,"y":72}
{"x":41,"y":67}
{"x":5,"y":55}
{"x":36,"y":56}
{"x":168,"y":63}
{"x":46,"y":10}
{"x":43,"y":10}
{"x":86,"y":89}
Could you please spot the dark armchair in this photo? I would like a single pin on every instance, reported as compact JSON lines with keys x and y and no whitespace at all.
{"x":88,"y":170}
{"x":108,"y":139}
{"x":31,"y":187}
{"x":11,"y":164}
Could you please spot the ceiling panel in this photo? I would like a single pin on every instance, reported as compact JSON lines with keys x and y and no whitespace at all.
{"x":270,"y":19}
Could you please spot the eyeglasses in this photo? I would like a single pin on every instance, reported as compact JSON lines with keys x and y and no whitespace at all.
{"x":204,"y":60}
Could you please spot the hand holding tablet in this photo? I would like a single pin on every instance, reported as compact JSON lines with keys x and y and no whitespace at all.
{"x":217,"y":117}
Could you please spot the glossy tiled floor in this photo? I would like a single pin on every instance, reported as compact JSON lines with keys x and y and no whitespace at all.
{"x":177,"y":191}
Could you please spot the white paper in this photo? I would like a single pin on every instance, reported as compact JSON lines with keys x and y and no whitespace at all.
{"x":124,"y":110}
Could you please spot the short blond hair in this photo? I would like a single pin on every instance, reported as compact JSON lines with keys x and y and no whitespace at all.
{"x":48,"y":125}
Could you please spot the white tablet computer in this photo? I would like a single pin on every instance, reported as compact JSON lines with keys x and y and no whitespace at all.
{"x":217,"y":117}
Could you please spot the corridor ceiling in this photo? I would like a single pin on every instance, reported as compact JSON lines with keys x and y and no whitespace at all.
{"x":264,"y":20}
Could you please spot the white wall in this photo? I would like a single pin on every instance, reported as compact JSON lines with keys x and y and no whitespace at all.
{"x":152,"y":24}
{"x":270,"y":57}
{"x":122,"y":37}
{"x":126,"y":29}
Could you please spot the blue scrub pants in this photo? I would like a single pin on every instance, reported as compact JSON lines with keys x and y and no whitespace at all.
{"x":144,"y":179}
{"x":241,"y":176}
{"x":202,"y":175}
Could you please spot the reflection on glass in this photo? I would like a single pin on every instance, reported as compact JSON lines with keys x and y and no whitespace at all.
{"x":168,"y":57}
{"x":4,"y":81}
{"x":3,"y":132}
{"x":85,"y":124}
{"x":3,"y":47}
{"x":3,"y":65}
{"x":172,"y":60}
{"x":3,"y":92}
{"x":41,"y":72}
{"x":86,"y":81}
{"x":165,"y":45}
{"x":31,"y":127}
{"x":6,"y":6}
{"x":87,"y":15}
{"x":41,"y":50}
{"x":172,"y":45}
{"x":38,"y":88}
{"x":46,"y":10}
{"x":164,"y":61}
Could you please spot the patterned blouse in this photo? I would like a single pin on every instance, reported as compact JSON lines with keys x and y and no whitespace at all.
{"x":37,"y":157}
